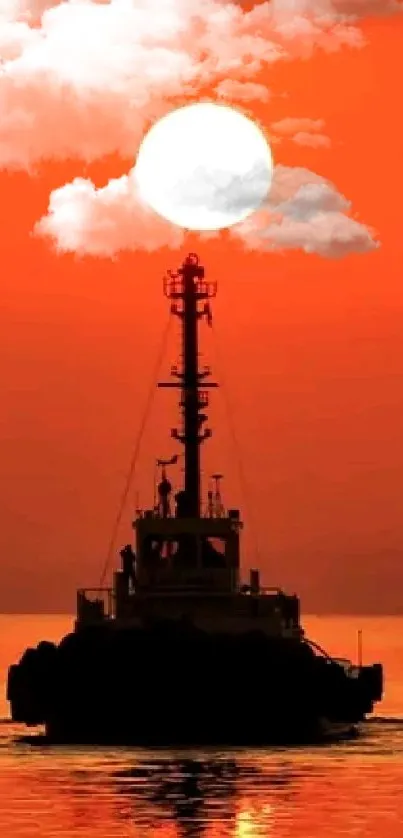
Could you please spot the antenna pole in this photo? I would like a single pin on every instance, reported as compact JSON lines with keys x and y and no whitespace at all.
{"x":189,"y":293}
{"x":359,"y":646}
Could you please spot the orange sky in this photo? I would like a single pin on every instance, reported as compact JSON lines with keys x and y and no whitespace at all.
{"x":311,"y":351}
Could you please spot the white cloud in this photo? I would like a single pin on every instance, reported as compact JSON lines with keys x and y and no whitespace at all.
{"x":240,"y":91}
{"x":329,"y":234}
{"x":292,"y":125}
{"x":301,"y":131}
{"x":332,"y":10}
{"x":87,"y":81}
{"x":361,"y":8}
{"x":305,"y":212}
{"x":82,"y":79}
{"x":20,"y":10}
{"x":311,"y":140}
{"x":101,"y":222}
{"x":304,"y":25}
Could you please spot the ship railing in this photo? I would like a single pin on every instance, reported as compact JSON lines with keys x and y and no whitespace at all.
{"x":228,"y":514}
{"x":346,"y":664}
{"x":95,"y":604}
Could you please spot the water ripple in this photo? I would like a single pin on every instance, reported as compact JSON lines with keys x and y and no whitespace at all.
{"x":350,"y":789}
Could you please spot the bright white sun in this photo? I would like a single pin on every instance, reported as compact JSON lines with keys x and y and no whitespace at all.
{"x":204,"y":167}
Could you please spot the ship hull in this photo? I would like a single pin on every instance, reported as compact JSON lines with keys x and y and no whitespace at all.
{"x":172,"y":685}
{"x":277,"y":732}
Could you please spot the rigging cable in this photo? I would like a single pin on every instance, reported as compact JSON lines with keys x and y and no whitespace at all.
{"x":133,"y":462}
{"x":237,"y":449}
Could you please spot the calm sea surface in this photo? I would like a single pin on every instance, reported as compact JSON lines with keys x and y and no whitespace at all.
{"x":354,"y":789}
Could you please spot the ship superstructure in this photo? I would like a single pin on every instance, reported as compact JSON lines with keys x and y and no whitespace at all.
{"x":186,"y":562}
{"x":179,"y":626}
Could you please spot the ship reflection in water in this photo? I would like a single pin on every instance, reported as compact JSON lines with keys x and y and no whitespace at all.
{"x":197,"y":794}
{"x":350,"y":789}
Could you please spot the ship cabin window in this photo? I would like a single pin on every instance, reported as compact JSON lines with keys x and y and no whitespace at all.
{"x":159,"y":552}
{"x":186,"y":552}
{"x":213,"y":553}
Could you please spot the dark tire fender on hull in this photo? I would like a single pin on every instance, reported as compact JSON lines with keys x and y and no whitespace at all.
{"x":372,"y":679}
{"x":30,"y":684}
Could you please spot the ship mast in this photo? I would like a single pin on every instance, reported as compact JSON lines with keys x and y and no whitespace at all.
{"x":190,"y":293}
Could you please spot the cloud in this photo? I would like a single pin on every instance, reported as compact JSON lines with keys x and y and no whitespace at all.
{"x":82,"y":79}
{"x":239,"y":91}
{"x":89,"y":79}
{"x":332,"y":10}
{"x":91,"y":221}
{"x":304,"y":212}
{"x":301,"y":131}
{"x":292,"y":125}
{"x":24,"y":10}
{"x":304,"y":25}
{"x":85,"y":220}
{"x":363,"y":8}
{"x":312,"y":140}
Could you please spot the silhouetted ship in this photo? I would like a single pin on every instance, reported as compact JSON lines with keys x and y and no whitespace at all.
{"x":179,"y":651}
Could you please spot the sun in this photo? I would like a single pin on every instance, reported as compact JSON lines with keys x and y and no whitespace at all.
{"x":204,"y":167}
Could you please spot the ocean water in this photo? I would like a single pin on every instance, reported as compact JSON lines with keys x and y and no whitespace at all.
{"x":350,"y":789}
